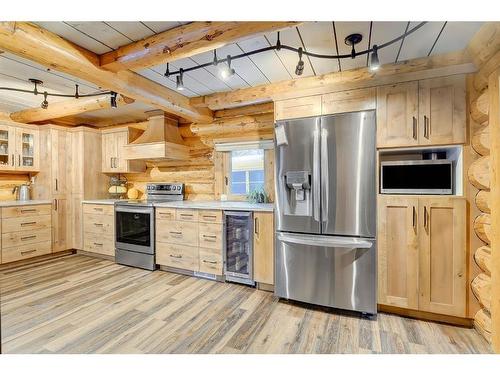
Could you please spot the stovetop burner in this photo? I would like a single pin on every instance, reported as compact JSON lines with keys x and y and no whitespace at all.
{"x":156,"y":193}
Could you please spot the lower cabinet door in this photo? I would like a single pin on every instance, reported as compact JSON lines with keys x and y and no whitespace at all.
{"x":443,"y":256}
{"x":61,"y":225}
{"x":12,"y":254}
{"x":210,"y":261}
{"x":263,"y":247}
{"x":98,"y":243}
{"x":398,"y":251}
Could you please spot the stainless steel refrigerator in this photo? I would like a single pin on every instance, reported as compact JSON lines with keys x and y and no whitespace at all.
{"x":326,"y":211}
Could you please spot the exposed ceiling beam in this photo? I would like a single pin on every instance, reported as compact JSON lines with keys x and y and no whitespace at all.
{"x":48,"y":49}
{"x":67,"y":108}
{"x":410,"y":70}
{"x":184,"y":41}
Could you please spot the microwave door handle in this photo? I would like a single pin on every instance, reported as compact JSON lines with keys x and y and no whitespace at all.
{"x":316,"y":175}
{"x":324,"y":175}
{"x":322,"y":241}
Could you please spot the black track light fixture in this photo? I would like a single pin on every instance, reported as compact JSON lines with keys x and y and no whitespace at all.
{"x":374,"y":61}
{"x":180,"y":80}
{"x":113,"y":99}
{"x":35,"y":83}
{"x":225,"y":70}
{"x":167,"y":72}
{"x":299,"y":69}
{"x":215,"y":61}
{"x":45,"y":103}
{"x":77,"y":94}
{"x":278,"y":42}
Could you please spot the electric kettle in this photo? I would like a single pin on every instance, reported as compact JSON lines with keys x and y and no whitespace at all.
{"x":22,"y":192}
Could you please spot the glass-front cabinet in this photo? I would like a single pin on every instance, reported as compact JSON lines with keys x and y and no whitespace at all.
{"x":19,"y":149}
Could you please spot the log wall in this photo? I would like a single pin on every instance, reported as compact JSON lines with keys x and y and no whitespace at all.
{"x":198,"y":173}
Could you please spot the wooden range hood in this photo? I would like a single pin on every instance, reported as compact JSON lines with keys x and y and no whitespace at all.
{"x":160,"y":141}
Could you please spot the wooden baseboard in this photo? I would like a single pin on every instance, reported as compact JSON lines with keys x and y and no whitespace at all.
{"x":41,"y":258}
{"x":265,"y":287}
{"x":422,"y":315}
{"x":95,"y":255}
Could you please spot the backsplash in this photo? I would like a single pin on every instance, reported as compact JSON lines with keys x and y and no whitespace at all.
{"x":7,"y":183}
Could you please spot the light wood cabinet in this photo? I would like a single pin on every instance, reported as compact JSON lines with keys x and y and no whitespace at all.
{"x":397,"y":115}
{"x":190,"y":239}
{"x":349,"y":101}
{"x":263,"y":247}
{"x":442,"y":110}
{"x":398,"y":251}
{"x":62,"y":229}
{"x":60,"y":159}
{"x":422,"y":253}
{"x":112,"y":142}
{"x":422,"y":113}
{"x":442,"y":256}
{"x":26,"y":232}
{"x":99,"y":228}
{"x":298,"y":107}
{"x":19,"y":148}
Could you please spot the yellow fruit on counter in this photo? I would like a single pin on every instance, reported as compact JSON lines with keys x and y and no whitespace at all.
{"x":133,"y":193}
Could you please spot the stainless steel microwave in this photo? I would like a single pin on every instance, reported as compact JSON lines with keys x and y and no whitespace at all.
{"x":416,"y":177}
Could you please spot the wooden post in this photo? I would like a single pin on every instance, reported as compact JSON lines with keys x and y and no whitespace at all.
{"x":494,"y":120}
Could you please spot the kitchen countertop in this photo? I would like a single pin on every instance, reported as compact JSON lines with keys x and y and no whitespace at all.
{"x":24,"y":203}
{"x":219,"y":205}
{"x":102,"y":201}
{"x":204,"y":205}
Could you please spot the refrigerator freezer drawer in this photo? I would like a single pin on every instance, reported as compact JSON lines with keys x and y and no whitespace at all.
{"x":337,"y":272}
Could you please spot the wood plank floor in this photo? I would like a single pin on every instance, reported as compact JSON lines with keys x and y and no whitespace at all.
{"x":78,"y":304}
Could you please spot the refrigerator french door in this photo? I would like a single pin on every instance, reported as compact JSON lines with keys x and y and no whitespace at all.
{"x":326,"y":210}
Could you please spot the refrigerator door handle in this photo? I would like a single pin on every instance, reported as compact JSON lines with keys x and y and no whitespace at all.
{"x":324,"y":175}
{"x":316,"y":176}
{"x":325,"y":241}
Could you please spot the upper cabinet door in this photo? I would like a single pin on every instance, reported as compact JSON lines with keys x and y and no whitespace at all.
{"x":120,"y":165}
{"x":443,"y":256}
{"x":108,"y":152}
{"x":27,"y":149}
{"x":7,"y":147}
{"x":398,"y":251}
{"x":61,"y":161}
{"x":442,"y":110}
{"x":397,"y":115}
{"x":296,"y":108}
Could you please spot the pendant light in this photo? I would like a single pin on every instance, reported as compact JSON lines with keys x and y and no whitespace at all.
{"x":180,"y":80}
{"x":225,"y":70}
{"x":299,"y":69}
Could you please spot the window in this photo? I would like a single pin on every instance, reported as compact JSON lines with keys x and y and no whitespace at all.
{"x":246,"y":171}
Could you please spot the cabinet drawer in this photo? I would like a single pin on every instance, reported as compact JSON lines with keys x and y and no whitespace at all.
{"x":210,"y":235}
{"x":210,"y":216}
{"x":97,"y":243}
{"x":23,"y":238}
{"x":30,"y":223}
{"x":11,"y":254}
{"x":179,"y":232}
{"x":178,"y":256}
{"x":210,"y":261}
{"x":100,"y":224}
{"x":165,"y":213}
{"x":99,"y":209}
{"x":23,"y":211}
{"x":186,"y":215}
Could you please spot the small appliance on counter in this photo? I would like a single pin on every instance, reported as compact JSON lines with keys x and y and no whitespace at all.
{"x":22,"y":192}
{"x":135,"y":225}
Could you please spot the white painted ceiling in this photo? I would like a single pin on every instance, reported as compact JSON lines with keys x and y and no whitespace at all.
{"x":321,"y":37}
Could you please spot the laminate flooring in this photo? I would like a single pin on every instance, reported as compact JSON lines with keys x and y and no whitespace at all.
{"x":80,"y":304}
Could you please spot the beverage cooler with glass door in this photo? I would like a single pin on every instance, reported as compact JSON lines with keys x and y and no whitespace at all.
{"x":238,"y":248}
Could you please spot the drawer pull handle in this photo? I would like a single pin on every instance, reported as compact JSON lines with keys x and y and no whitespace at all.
{"x":27,"y":238}
{"x":176,"y":233}
{"x":97,"y":209}
{"x":210,"y":238}
{"x":209,"y":261}
{"x":175,"y":256}
{"x":210,"y":216}
{"x":187,"y":215}
{"x":97,"y":244}
{"x":28,"y":223}
{"x":28,"y":252}
{"x":28,"y":210}
{"x":98,"y":224}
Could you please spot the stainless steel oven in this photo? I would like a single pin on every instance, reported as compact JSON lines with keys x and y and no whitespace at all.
{"x":135,"y":235}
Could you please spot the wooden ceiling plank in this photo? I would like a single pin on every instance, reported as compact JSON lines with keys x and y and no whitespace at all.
{"x":32,"y":42}
{"x":427,"y":67}
{"x":183,"y":41}
{"x":67,"y":108}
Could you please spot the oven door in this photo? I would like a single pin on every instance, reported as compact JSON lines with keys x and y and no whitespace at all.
{"x":134,"y":229}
